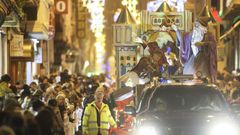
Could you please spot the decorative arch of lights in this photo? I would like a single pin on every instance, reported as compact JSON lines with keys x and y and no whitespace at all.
{"x":96,"y":8}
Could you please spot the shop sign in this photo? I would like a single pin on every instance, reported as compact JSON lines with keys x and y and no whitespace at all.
{"x":16,"y":46}
{"x":81,"y":21}
{"x":61,"y":6}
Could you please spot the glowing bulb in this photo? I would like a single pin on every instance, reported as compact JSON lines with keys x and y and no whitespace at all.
{"x":124,"y":2}
{"x":134,"y":2}
{"x":84,"y":3}
{"x":96,"y":8}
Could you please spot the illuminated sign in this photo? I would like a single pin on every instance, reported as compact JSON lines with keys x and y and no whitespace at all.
{"x":158,"y":20}
{"x":166,"y":20}
{"x":16,"y":46}
{"x":81,"y":21}
{"x":61,"y":6}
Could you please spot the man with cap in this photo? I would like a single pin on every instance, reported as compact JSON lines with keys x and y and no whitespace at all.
{"x":97,"y":117}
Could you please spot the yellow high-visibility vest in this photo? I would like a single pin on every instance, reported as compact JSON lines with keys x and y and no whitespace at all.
{"x":90,"y":123}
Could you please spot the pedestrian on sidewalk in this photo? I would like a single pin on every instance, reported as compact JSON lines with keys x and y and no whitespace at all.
{"x":4,"y":88}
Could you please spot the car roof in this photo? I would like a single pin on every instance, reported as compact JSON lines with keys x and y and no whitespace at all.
{"x":188,"y":86}
{"x":194,"y":86}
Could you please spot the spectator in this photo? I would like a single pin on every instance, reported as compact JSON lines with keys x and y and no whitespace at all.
{"x":45,"y":120}
{"x":61,"y":104}
{"x":58,"y":88}
{"x":64,"y":112}
{"x":31,"y":124}
{"x":58,"y":121}
{"x":109,"y":100}
{"x":18,"y":86}
{"x":4,"y":88}
{"x":37,"y":105}
{"x":11,"y":105}
{"x":14,"y":89}
{"x":33,"y":87}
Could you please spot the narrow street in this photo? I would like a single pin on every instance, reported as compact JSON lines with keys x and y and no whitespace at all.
{"x":119,"y":67}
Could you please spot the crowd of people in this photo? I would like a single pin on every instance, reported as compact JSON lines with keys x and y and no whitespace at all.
{"x":229,"y":84}
{"x":50,"y":106}
{"x":64,"y":104}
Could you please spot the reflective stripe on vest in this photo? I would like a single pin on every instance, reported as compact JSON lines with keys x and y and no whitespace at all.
{"x":94,"y":129}
{"x":95,"y":122}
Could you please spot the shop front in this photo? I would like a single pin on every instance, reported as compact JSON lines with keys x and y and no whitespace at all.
{"x":9,"y":22}
{"x":21,"y":52}
{"x":40,"y":31}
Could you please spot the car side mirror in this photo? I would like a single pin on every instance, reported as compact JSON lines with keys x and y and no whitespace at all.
{"x":130,"y":110}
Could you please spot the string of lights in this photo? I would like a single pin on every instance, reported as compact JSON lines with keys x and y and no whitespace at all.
{"x":96,"y":8}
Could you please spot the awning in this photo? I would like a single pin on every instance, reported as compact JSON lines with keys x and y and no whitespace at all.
{"x":38,"y":26}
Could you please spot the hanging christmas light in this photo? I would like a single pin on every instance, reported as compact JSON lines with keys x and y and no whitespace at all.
{"x":96,"y":8}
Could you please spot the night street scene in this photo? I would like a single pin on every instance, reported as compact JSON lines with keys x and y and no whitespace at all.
{"x":119,"y":67}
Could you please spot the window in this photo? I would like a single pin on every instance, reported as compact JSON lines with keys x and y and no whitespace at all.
{"x":134,"y":58}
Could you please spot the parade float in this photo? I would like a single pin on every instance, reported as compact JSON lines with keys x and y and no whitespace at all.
{"x":166,"y":43}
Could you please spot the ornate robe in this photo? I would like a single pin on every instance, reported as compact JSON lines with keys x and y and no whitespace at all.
{"x":205,"y":61}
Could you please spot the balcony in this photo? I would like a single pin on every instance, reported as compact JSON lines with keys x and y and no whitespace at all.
{"x":38,"y":27}
{"x":9,"y":14}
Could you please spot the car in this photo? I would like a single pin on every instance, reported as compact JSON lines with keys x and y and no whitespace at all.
{"x":183,"y":109}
